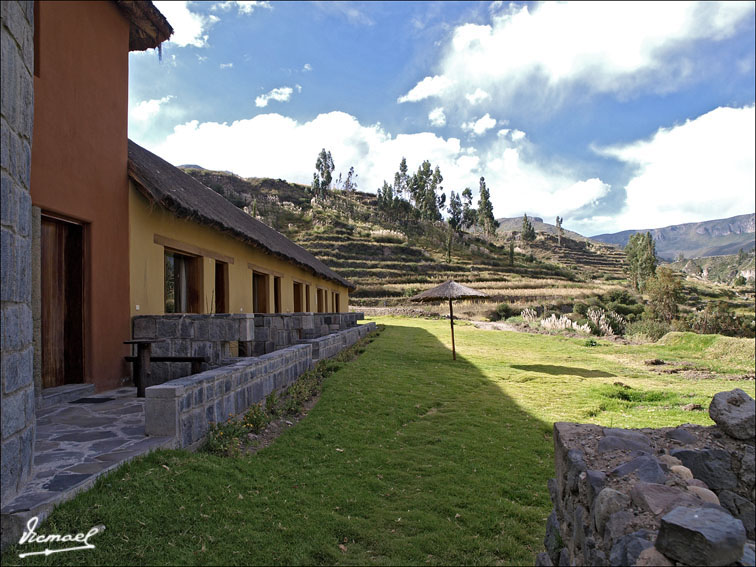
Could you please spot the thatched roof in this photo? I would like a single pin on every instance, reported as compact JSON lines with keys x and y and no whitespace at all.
{"x":148,"y":28}
{"x":187,"y":198}
{"x":448,"y":290}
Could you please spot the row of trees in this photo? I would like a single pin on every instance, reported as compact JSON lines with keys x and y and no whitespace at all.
{"x":420,"y":195}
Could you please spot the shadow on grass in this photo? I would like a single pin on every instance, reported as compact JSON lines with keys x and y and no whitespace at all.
{"x":563,"y":370}
{"x":409,"y":457}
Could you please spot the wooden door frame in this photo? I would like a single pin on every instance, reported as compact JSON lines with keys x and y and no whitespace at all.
{"x":86,"y":283}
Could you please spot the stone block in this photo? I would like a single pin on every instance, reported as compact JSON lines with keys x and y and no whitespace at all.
{"x":713,"y":466}
{"x":701,"y":536}
{"x":161,"y":416}
{"x":14,"y":412}
{"x":735,"y":413}
{"x":246,"y":329}
{"x":144,"y":327}
{"x":167,"y":328}
{"x":10,"y":465}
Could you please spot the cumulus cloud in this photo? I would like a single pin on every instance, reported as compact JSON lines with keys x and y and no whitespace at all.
{"x":478,"y":96}
{"x":437,"y":117}
{"x":189,"y":28}
{"x":272,"y":145}
{"x":280,"y":94}
{"x":428,"y":87}
{"x":243,"y":6}
{"x":307,"y":67}
{"x":226,"y":65}
{"x":147,"y":109}
{"x":618,"y":48}
{"x":480,"y":126}
{"x":702,"y":169}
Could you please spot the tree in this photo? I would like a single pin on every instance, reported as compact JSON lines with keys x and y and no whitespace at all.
{"x":528,"y":232}
{"x":469,"y":214}
{"x":455,"y":212}
{"x":511,"y":253}
{"x":401,"y":180}
{"x":455,"y":221}
{"x":664,"y":295}
{"x":641,"y":259}
{"x":422,"y":188}
{"x":321,"y":179}
{"x":350,"y":185}
{"x":560,"y":230}
{"x":485,"y":210}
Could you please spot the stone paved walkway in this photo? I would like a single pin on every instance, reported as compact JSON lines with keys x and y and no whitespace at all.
{"x":77,"y":442}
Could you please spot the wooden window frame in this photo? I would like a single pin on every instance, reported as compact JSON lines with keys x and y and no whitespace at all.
{"x":193,"y":283}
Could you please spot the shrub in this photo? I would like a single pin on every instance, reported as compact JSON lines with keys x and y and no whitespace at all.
{"x":562,"y":323}
{"x":717,"y":318}
{"x":580,"y":307}
{"x":647,"y":330}
{"x":529,"y":315}
{"x":605,"y":322}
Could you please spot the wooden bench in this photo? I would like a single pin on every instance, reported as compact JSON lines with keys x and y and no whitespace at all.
{"x":144,"y":358}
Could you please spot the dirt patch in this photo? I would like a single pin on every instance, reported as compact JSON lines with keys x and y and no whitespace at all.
{"x":257,"y":441}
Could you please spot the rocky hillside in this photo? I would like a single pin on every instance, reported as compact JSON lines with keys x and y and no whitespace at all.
{"x":392,"y":259}
{"x":511,"y":225}
{"x":720,"y":269}
{"x":695,"y":240}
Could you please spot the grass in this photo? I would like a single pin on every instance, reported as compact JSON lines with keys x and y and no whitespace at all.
{"x":408,"y":457}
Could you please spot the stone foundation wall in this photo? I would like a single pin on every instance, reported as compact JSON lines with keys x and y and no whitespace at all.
{"x":184,"y":408}
{"x":278,"y":330}
{"x":666,"y":496}
{"x":193,"y":335}
{"x":16,"y":326}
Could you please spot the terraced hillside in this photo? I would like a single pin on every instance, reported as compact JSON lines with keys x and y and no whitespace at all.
{"x":390,"y":259}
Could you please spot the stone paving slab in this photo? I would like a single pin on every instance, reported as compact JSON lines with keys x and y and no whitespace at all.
{"x":75,"y":444}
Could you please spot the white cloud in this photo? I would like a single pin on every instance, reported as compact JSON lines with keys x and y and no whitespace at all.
{"x":428,"y":87}
{"x":480,"y":126}
{"x":189,"y":28}
{"x":307,"y":67}
{"x":226,"y":65}
{"x":514,"y":135}
{"x":148,"y":109}
{"x":700,"y":170}
{"x":478,"y":96}
{"x":437,"y":117}
{"x":542,"y":51}
{"x":272,"y":145}
{"x":244,"y":6}
{"x":280,"y":94}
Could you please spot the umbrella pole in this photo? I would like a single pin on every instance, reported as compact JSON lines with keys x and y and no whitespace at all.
{"x":451,"y":320}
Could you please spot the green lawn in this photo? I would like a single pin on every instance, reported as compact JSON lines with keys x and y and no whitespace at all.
{"x":409,"y":457}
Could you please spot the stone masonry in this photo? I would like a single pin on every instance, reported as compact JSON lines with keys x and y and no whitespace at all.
{"x":670,"y":496}
{"x":184,"y":408}
{"x":193,"y":335}
{"x":16,"y":351}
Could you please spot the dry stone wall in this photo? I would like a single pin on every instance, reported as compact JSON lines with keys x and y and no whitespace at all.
{"x":671,"y":496}
{"x":16,"y":326}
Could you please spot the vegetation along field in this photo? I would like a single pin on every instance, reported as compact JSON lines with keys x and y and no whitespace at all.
{"x":407,"y":458}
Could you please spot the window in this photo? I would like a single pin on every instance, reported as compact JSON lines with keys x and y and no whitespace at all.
{"x":320,"y":304}
{"x":337,"y":303}
{"x":297,"y":297}
{"x":307,"y":298}
{"x":221,"y":287}
{"x":181,"y":283}
{"x":259,"y":292}
{"x":277,"y":294}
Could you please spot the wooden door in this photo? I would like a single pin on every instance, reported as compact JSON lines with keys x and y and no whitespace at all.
{"x":62,"y":297}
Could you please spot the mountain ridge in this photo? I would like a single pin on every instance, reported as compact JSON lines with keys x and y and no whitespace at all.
{"x":716,"y":237}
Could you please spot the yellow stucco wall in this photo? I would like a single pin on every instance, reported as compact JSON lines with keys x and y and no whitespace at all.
{"x":148,"y":223}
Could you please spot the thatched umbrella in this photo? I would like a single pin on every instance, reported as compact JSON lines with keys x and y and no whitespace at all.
{"x":450,"y":290}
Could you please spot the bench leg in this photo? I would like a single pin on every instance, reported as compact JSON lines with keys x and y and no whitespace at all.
{"x":142,"y":369}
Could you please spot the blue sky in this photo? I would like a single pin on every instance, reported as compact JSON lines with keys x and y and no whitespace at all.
{"x":612,"y":115}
